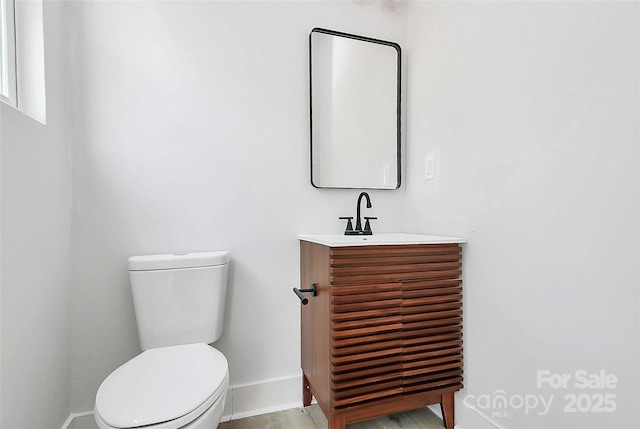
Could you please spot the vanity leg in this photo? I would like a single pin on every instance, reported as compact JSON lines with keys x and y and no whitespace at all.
{"x":337,"y":422}
{"x":446,"y":405}
{"x":306,"y":392}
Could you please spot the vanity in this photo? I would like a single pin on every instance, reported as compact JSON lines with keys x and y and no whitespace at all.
{"x":381,"y":319}
{"x":382,"y":332}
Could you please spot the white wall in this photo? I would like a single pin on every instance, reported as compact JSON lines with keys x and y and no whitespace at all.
{"x":193,"y":135}
{"x":531,"y":112}
{"x":36,"y":253}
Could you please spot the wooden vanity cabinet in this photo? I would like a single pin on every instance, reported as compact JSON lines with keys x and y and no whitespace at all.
{"x":384,"y":333}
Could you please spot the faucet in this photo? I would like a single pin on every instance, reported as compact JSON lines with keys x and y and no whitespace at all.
{"x":358,"y":204}
{"x":358,"y":229}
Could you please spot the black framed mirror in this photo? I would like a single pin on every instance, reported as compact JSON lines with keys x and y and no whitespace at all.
{"x":355,"y":87}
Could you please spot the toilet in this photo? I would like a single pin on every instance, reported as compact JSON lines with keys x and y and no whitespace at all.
{"x":178,"y":381}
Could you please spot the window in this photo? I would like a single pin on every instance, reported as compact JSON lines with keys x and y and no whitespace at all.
{"x":22,"y":74}
{"x":8,"y":83}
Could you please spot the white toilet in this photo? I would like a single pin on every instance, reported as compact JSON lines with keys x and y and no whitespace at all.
{"x":178,"y":381}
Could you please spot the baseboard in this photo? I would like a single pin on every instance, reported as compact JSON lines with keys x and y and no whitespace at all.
{"x":68,"y":424}
{"x":435,"y":409}
{"x":82,"y":420}
{"x":473,"y":418}
{"x":243,"y":400}
{"x":252,"y":399}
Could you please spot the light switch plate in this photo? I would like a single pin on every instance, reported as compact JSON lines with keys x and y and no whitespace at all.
{"x":429,"y":168}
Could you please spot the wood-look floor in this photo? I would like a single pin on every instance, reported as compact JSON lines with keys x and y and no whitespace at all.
{"x":313,"y":418}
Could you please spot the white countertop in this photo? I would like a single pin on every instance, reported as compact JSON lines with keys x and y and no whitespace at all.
{"x":381,"y":239}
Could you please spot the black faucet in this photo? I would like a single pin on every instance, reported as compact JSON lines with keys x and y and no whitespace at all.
{"x":358,"y":218}
{"x":358,"y":229}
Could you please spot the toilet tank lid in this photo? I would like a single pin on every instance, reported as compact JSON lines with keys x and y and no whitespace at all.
{"x":178,"y":260}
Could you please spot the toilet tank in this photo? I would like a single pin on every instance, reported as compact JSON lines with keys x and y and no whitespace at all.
{"x":179,"y":298}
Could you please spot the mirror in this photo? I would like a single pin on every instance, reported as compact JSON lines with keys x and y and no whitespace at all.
{"x":355,"y":111}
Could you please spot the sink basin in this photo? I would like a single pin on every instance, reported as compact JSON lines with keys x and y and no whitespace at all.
{"x":382,"y":239}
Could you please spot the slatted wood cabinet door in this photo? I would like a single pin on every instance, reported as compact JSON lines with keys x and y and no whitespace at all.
{"x":384,"y":333}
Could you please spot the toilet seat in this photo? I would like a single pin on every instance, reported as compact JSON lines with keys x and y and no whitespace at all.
{"x":165,"y":387}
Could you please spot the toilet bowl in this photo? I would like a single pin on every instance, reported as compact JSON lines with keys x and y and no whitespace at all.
{"x":178,"y":381}
{"x":179,"y":387}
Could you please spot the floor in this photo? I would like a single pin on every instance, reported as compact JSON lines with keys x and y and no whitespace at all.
{"x":313,"y":418}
